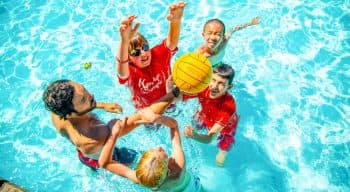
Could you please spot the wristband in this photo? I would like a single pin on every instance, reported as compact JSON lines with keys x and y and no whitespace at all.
{"x":121,"y":62}
{"x":176,"y":91}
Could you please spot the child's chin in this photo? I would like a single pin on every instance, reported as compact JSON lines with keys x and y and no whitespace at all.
{"x":211,"y":45}
{"x":145,"y":64}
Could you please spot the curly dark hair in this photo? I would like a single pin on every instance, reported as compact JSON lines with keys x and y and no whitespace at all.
{"x":58,"y":98}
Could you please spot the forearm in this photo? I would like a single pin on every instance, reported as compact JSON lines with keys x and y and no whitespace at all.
{"x":178,"y":153}
{"x":100,"y":105}
{"x":131,"y":123}
{"x":106,"y":153}
{"x":162,"y":104}
{"x":123,"y":59}
{"x":201,"y":137}
{"x":122,"y":170}
{"x":237,"y":28}
{"x":167,"y":121}
{"x":173,"y":34}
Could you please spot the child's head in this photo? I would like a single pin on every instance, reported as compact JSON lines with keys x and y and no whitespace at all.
{"x":139,"y":51}
{"x":213,"y":32}
{"x":221,"y":80}
{"x":64,"y":97}
{"x":152,"y":169}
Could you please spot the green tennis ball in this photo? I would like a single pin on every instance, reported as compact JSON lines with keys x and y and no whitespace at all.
{"x":87,"y":65}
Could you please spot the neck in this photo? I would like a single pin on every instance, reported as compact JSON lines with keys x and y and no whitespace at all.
{"x":77,"y":118}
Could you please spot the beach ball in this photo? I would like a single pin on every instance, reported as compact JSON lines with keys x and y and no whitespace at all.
{"x":192,"y":72}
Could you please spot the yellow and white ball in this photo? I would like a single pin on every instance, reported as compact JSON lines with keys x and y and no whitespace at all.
{"x":192,"y":73}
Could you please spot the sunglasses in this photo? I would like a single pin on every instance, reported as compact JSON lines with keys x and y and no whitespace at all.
{"x":137,"y":52}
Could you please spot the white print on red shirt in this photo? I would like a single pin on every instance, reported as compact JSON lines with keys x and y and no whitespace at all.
{"x":146,"y":87}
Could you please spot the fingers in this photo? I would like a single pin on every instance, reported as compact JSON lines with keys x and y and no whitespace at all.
{"x":129,"y":19}
{"x":116,"y":128}
{"x":136,"y":27}
{"x":170,"y":17}
{"x":177,"y":5}
{"x":188,"y":131}
{"x":118,"y":109}
{"x":175,"y":10}
{"x":256,"y":20}
{"x":127,"y":22}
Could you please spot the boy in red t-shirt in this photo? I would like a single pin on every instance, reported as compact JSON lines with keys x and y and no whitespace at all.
{"x":218,"y":113}
{"x":144,"y":70}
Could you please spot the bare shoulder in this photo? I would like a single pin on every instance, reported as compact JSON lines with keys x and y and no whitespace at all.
{"x":60,"y":124}
{"x":174,"y":169}
{"x":174,"y":180}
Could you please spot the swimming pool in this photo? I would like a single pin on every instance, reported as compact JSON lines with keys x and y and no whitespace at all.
{"x":291,"y":88}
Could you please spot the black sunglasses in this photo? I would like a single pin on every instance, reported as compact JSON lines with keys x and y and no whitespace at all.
{"x":137,"y":52}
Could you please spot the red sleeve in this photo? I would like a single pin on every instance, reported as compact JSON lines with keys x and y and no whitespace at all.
{"x":163,"y":48}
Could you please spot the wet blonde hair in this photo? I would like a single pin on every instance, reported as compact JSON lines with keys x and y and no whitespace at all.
{"x":151,"y":171}
{"x":136,"y":41}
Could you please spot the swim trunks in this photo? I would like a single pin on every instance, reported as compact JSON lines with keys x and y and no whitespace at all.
{"x":122,"y":155}
{"x":224,"y":141}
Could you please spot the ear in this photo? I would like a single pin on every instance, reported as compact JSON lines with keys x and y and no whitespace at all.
{"x":203,"y":34}
{"x":230,"y":86}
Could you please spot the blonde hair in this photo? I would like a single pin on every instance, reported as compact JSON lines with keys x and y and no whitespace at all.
{"x":151,"y":171}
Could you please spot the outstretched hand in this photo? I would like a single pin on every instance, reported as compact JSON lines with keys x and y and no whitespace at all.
{"x":112,"y":108}
{"x":126,"y":29}
{"x":188,"y":131}
{"x":176,"y":11}
{"x":255,"y":21}
{"x":118,"y":127}
{"x":167,"y":121}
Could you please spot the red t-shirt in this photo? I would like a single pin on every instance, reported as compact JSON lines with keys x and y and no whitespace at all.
{"x":220,"y":110}
{"x":147,"y":85}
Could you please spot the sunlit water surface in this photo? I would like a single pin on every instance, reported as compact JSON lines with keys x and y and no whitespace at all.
{"x":291,"y":88}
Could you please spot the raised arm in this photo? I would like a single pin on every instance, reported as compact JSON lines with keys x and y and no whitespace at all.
{"x":105,"y":160}
{"x":127,"y":31}
{"x":124,"y":126}
{"x":174,"y":18}
{"x":254,"y":21}
{"x":177,"y":151}
{"x":110,"y":107}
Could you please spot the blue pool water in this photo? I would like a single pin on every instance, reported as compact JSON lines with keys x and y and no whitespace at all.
{"x":292,"y":91}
